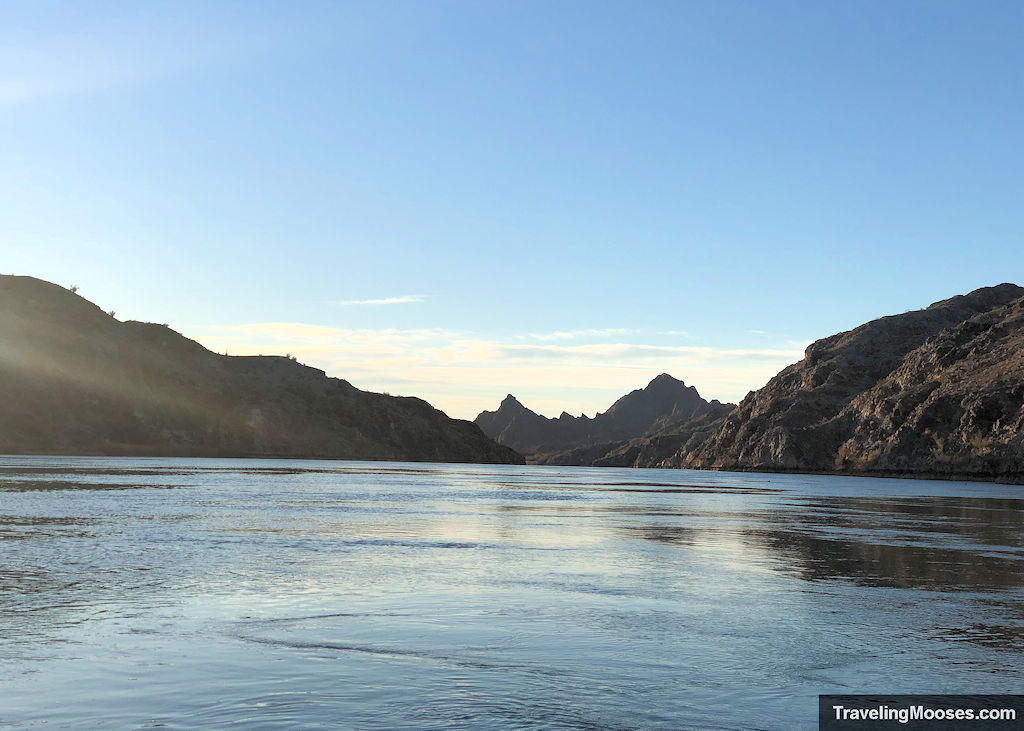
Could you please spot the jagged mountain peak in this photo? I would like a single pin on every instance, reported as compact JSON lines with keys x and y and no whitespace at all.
{"x":664,"y":379}
{"x":510,"y":402}
{"x":663,"y":399}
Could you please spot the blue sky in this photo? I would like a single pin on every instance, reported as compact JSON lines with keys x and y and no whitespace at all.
{"x":457,"y":200}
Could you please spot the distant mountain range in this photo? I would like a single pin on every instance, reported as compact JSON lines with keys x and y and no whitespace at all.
{"x":74,"y":380}
{"x":664,"y":403}
{"x":937,"y":392}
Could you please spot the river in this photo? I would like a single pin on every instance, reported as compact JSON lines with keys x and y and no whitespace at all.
{"x":266,"y":594}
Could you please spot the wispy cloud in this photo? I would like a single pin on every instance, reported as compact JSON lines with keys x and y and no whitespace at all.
{"x":602,"y":332}
{"x":284,"y":333}
{"x":402,"y":300}
{"x":464,"y":374}
{"x":588,"y":332}
{"x":636,"y":350}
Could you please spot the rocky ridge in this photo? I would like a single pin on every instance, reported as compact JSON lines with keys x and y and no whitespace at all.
{"x":937,"y":392}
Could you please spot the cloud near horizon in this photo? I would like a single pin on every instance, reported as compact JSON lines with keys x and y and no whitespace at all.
{"x":590,"y":332}
{"x":463,"y":375}
{"x":402,"y":300}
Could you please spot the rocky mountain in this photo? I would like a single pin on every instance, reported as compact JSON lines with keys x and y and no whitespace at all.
{"x":74,"y":380}
{"x":665,"y":401}
{"x":935,"y":392}
{"x":649,"y":450}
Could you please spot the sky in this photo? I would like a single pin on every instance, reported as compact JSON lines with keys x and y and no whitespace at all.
{"x":560,"y":200}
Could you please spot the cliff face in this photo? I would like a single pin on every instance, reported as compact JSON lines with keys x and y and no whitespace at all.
{"x":938,"y":391}
{"x":73,"y":380}
{"x":662,"y":402}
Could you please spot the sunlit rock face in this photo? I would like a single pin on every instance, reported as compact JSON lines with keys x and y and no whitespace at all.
{"x":938,"y":392}
{"x":75,"y":380}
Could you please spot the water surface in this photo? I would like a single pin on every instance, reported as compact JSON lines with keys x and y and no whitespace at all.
{"x":185,"y":593}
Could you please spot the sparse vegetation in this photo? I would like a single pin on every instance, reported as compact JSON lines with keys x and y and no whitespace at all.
{"x":980,"y":444}
{"x":73,"y":288}
{"x":112,"y":313}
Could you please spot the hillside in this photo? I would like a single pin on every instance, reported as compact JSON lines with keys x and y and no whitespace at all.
{"x":934,"y":392}
{"x":74,"y":380}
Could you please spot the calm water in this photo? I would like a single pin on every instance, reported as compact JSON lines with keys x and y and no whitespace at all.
{"x":138,"y":593}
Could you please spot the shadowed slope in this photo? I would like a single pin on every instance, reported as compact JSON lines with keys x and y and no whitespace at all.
{"x":73,"y":380}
